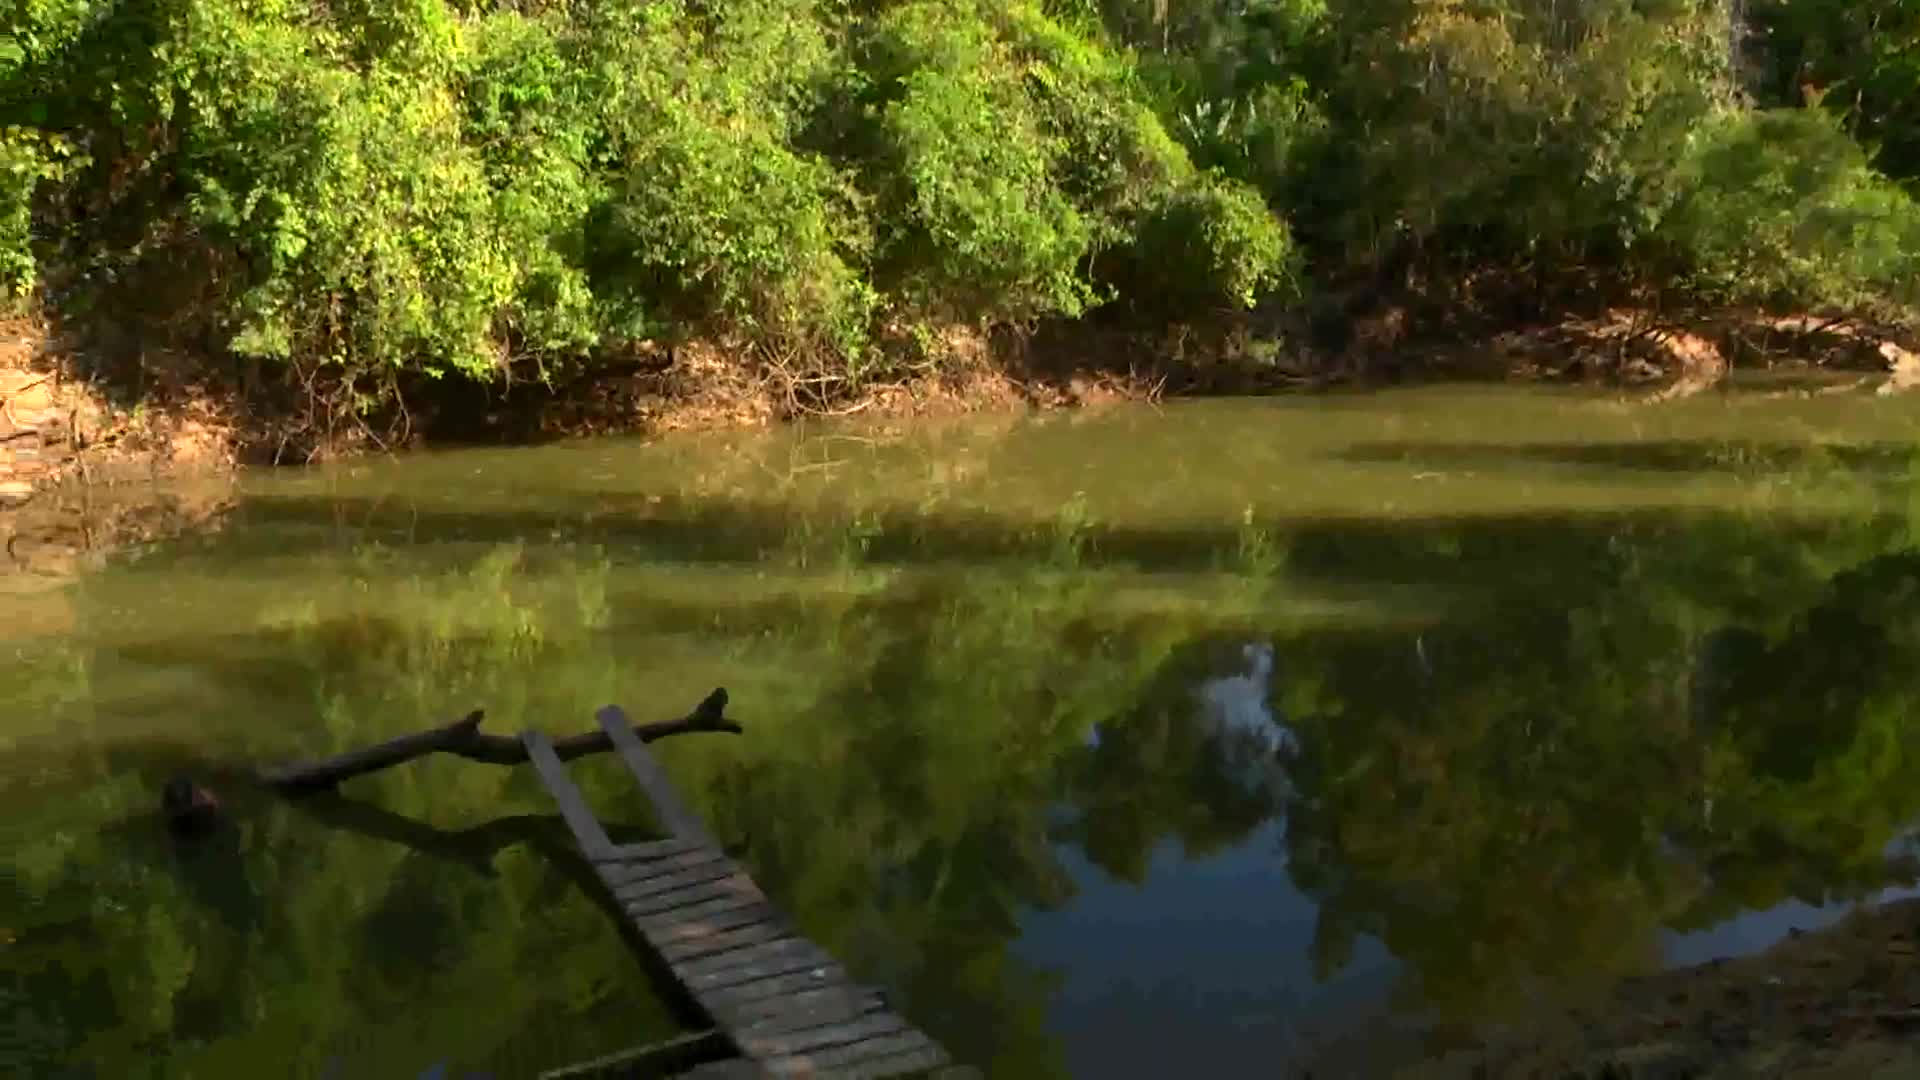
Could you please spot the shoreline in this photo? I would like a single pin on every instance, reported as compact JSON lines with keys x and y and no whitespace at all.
{"x":1835,"y":1002}
{"x":68,"y":410}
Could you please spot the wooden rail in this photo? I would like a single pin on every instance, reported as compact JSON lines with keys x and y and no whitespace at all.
{"x":781,"y":1004}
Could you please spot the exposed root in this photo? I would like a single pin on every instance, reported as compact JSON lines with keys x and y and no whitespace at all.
{"x":1903,"y":366}
{"x":1697,"y":363}
{"x":304,"y":412}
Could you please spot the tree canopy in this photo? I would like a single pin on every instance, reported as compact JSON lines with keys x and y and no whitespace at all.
{"x":503,"y":189}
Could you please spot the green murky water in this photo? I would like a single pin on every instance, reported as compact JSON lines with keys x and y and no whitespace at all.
{"x":1245,"y":735}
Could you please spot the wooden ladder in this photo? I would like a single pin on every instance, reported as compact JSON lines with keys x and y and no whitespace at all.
{"x":785,"y":1007}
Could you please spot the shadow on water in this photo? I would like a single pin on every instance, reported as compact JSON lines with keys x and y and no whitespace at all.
{"x":1883,"y":460}
{"x":1609,"y":726}
{"x":475,"y":848}
{"x":727,"y":533}
{"x":315,"y":938}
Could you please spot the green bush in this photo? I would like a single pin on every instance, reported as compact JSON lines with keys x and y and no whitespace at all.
{"x":1781,"y":206}
{"x":1216,"y":241}
{"x":450,"y":187}
{"x":447,"y":188}
{"x":1238,"y":84}
{"x":716,"y":219}
{"x":1113,"y":157}
{"x":1858,"y":59}
{"x":734,"y":230}
{"x":1020,"y":154}
{"x":965,"y":172}
{"x":529,"y":110}
{"x":1537,"y":138}
{"x":28,"y":159}
{"x":358,"y":226}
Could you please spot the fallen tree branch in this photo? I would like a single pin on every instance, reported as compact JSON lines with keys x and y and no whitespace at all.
{"x":463,"y":739}
{"x":473,"y":848}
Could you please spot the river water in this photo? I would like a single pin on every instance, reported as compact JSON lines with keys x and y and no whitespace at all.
{"x":1250,"y":736}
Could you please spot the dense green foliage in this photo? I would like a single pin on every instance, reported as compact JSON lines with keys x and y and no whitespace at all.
{"x":488,"y":188}
{"x":1859,"y":59}
{"x":458,"y":188}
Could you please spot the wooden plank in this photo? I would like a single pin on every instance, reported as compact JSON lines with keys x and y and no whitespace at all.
{"x":831,"y":1060}
{"x":651,"y":898}
{"x":694,"y":888}
{"x":665,"y":875}
{"x":676,"y":879}
{"x":673,"y":814}
{"x":815,"y":1041}
{"x":748,"y":926}
{"x":774,"y":958}
{"x":649,"y":851}
{"x":778,"y":997}
{"x":630,"y":874}
{"x":745,"y":1011}
{"x":665,"y":863}
{"x":790,"y":1043}
{"x":586,"y":828}
{"x":659,"y":909}
{"x":906,"y":1063}
{"x":678,"y":925}
{"x":726,"y":941}
{"x":770,"y":988}
{"x":733,"y":1069}
{"x":669,"y":925}
{"x":809,"y":1009}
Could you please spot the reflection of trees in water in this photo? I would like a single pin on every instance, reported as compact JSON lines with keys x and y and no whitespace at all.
{"x":1820,"y":714}
{"x":1531,"y":803}
{"x":895,"y":796}
{"x":1195,"y":759}
{"x":1514,"y":796}
{"x":903,"y":807}
{"x":274,"y":947}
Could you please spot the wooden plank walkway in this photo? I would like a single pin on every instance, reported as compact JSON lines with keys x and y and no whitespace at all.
{"x":779,"y":999}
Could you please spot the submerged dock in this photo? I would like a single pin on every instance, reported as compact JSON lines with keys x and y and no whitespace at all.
{"x":776,"y":1004}
{"x":786,"y":1006}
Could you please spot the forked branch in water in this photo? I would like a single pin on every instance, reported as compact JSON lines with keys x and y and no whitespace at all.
{"x":463,"y":738}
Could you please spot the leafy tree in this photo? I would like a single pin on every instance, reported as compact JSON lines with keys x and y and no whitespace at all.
{"x":1859,"y":60}
{"x":1782,"y":207}
{"x":431,"y":188}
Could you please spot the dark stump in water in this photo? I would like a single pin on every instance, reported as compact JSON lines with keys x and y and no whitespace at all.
{"x":189,"y":808}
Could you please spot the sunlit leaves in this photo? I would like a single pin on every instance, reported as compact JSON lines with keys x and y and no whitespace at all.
{"x":1782,"y":205}
{"x":437,"y":188}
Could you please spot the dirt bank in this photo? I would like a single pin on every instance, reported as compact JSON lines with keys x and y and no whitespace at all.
{"x":38,"y":415}
{"x":56,"y":424}
{"x":1843,"y":1002}
{"x":134,"y":409}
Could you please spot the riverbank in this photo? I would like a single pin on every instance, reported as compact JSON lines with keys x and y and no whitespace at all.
{"x":1841,"y":1002}
{"x":488,"y":225}
{"x":76,"y":407}
{"x":59,"y":421}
